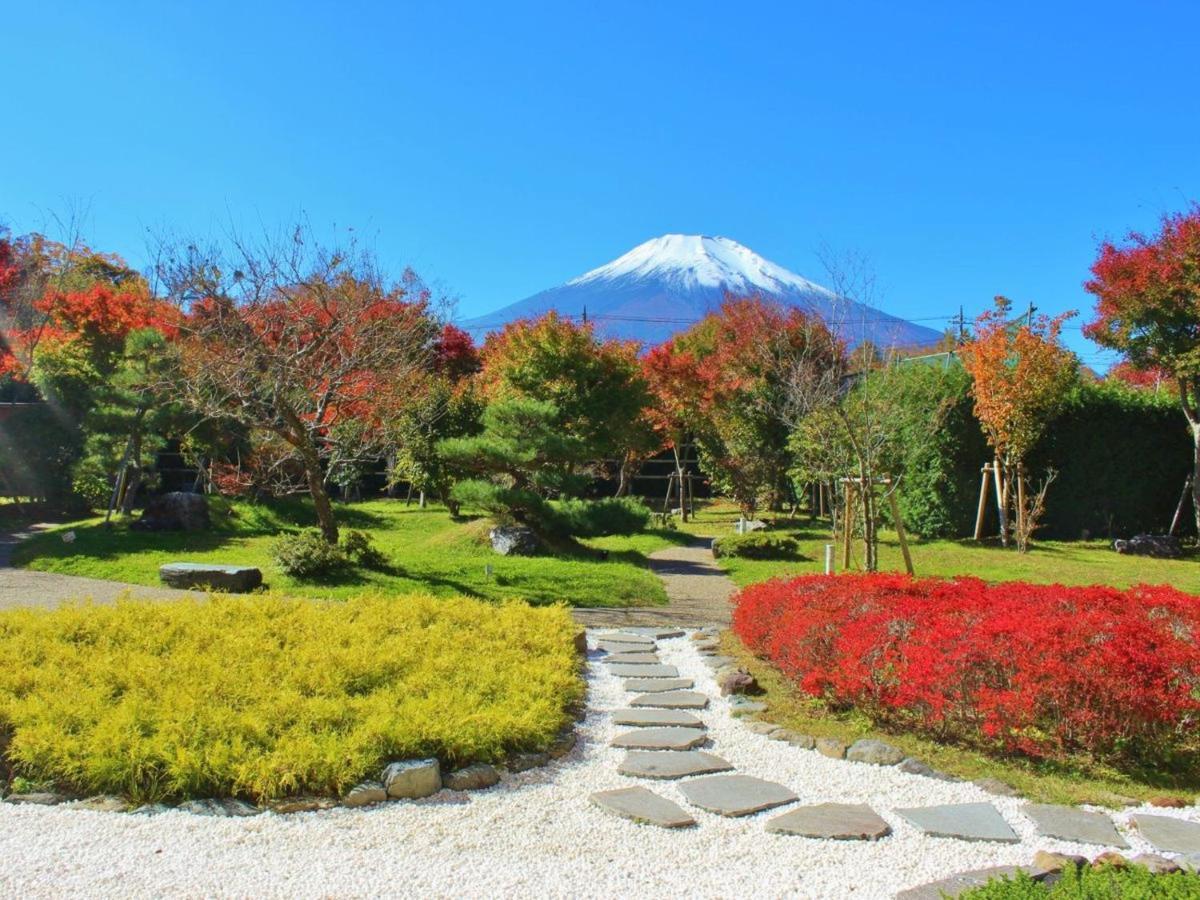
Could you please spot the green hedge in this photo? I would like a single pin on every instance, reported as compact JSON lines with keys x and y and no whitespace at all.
{"x":1121,"y":456}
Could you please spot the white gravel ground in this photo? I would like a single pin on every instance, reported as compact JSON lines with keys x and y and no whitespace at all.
{"x":535,"y":834}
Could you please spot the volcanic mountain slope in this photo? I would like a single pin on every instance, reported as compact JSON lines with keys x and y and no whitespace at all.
{"x":664,"y":285}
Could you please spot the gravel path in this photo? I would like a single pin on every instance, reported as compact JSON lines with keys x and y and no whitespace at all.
{"x":535,"y":834}
{"x":698,"y":592}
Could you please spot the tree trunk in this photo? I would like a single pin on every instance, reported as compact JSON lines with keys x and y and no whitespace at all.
{"x":321,"y":503}
{"x":683,"y":507}
{"x":1196,"y":472}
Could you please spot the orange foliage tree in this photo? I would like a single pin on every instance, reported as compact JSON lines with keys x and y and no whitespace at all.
{"x":1020,"y":374}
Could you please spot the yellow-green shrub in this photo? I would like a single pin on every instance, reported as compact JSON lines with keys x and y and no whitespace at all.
{"x":262,"y":697}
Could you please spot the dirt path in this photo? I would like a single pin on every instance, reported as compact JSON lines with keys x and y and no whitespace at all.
{"x":698,"y":591}
{"x":25,"y":587}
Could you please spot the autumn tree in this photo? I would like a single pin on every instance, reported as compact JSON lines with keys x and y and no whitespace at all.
{"x":676,"y":402}
{"x":595,"y":385}
{"x":1148,"y":307}
{"x":298,"y":339}
{"x":1020,"y":374}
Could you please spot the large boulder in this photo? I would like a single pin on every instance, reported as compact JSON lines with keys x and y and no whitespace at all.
{"x":514,"y":540}
{"x":233,"y":579}
{"x":175,"y":511}
{"x":1163,"y":546}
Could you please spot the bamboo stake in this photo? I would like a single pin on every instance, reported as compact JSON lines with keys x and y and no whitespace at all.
{"x":900,"y":532}
{"x":847,"y":525}
{"x":983,"y":496}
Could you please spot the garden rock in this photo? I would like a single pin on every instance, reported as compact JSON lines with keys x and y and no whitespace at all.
{"x":656,"y":718}
{"x":290,"y":805}
{"x":959,"y":884}
{"x":234,"y":579}
{"x":738,"y":682}
{"x":522,"y":762}
{"x":735,"y":795}
{"x":875,"y":753}
{"x":1057,"y":862}
{"x":1162,"y":546}
{"x":1169,"y":834}
{"x":365,"y":794}
{"x":472,"y":778}
{"x":745,"y":526}
{"x":914,"y":766}
{"x":764,"y":728}
{"x":1069,"y":823}
{"x":717,"y":662}
{"x":176,"y":511}
{"x":831,"y":747}
{"x":643,"y":806}
{"x":673,"y":738}
{"x":1168,"y":802}
{"x":803,"y":741}
{"x":667,"y":764}
{"x":1159,"y":865}
{"x":220,"y":808}
{"x":742,"y":706}
{"x":514,"y":540}
{"x":997,"y":787}
{"x":563,"y":744}
{"x":102,"y":803}
{"x":1190,"y":862}
{"x":581,"y":646}
{"x":964,"y":821}
{"x":832,"y":821}
{"x":412,"y":779}
{"x":37,"y":798}
{"x":151,"y":809}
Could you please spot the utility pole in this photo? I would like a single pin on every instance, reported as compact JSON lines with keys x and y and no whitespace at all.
{"x":1029,"y":318}
{"x":962,"y":326}
{"x":585,"y":314}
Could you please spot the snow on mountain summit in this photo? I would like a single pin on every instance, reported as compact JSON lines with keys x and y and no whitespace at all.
{"x":662,"y":286}
{"x":693,"y":260}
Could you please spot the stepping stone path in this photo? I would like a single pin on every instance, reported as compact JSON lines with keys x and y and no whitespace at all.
{"x":1169,"y":834}
{"x":641,"y":670}
{"x":660,"y":739}
{"x":672,"y":700}
{"x":641,"y":805}
{"x":668,"y":764}
{"x":832,"y":821}
{"x":656,"y":718}
{"x":1068,"y":823}
{"x":735,"y":795}
{"x":965,"y":821}
{"x":657,"y":685}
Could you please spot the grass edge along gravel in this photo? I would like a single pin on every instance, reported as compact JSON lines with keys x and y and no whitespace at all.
{"x":263,"y":697}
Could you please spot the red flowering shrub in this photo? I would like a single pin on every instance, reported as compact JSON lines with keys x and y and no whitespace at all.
{"x":1041,"y":669}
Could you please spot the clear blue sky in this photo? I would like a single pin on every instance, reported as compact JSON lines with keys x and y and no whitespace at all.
{"x":500,"y":148}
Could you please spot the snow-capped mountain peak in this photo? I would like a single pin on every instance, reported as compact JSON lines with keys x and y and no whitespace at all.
{"x":699,"y":261}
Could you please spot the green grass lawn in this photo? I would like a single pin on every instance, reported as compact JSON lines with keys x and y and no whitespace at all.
{"x":1049,"y":562}
{"x":427,"y":550}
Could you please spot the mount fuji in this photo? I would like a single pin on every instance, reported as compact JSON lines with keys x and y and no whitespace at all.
{"x":666,"y":284}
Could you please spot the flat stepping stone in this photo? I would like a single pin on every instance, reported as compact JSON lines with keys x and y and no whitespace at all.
{"x":623,"y":637}
{"x":959,"y":884}
{"x":618,"y":647}
{"x":1168,"y":833}
{"x":672,"y":700}
{"x":643,"y":806}
{"x":656,"y":718}
{"x":635,"y":658}
{"x":672,"y":738}
{"x":657,"y":685}
{"x":641,"y":670}
{"x":1069,"y":823}
{"x":661,"y":634}
{"x":832,"y":822}
{"x":965,"y":821}
{"x":667,"y":764}
{"x":735,"y":795}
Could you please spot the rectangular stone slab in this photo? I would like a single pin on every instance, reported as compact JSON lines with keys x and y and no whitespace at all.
{"x":665,"y":764}
{"x":1069,"y":823}
{"x":965,"y":821}
{"x":618,"y":647}
{"x":656,"y":718}
{"x":1168,"y":833}
{"x":735,"y":795}
{"x":672,"y":700}
{"x":657,"y":685}
{"x":643,"y":806}
{"x":832,"y":821}
{"x":637,"y":659}
{"x":661,"y":634}
{"x":626,"y":638}
{"x":639,"y":670}
{"x":672,"y":738}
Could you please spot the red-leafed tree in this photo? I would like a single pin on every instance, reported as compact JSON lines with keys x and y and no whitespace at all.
{"x":677,"y":402}
{"x":307,"y":343}
{"x":1148,"y":307}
